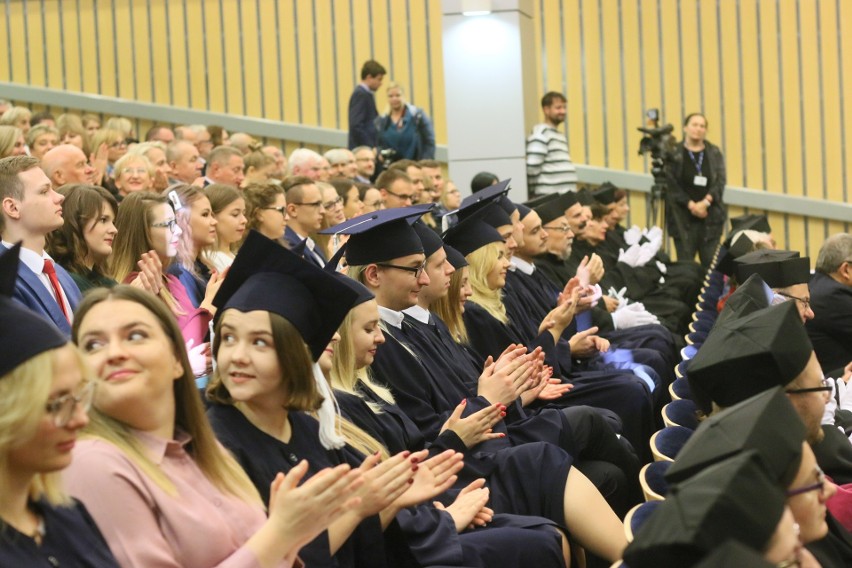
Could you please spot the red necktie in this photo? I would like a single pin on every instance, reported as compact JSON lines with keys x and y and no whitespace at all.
{"x":54,"y":282}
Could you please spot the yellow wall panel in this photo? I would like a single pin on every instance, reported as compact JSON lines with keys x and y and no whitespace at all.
{"x":53,"y":45}
{"x":791,"y":98}
{"x":195,"y":72}
{"x":159,"y":53}
{"x":731,"y":97}
{"x":811,"y":143}
{"x":17,"y":55}
{"x":711,"y":94}
{"x":231,"y":40}
{"x":287,"y":32}
{"x":671,"y":59}
{"x":689,"y":58}
{"x":122,"y":49}
{"x":614,"y":149}
{"x":35,"y":49}
{"x":592,"y":76}
{"x":419,"y":55}
{"x":831,"y":94}
{"x":106,"y":67}
{"x":574,"y":78}
{"x":633,"y":104}
{"x":439,"y":107}
{"x":750,"y":100}
{"x":140,"y":66}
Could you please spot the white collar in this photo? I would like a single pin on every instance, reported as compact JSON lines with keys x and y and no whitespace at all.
{"x":31,"y":259}
{"x":419,"y":313}
{"x":393,"y":317}
{"x":526,"y":267}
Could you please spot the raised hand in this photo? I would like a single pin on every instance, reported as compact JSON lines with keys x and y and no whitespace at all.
{"x":478,"y":426}
{"x":213,"y":286}
{"x":502,"y":385}
{"x":431,"y":478}
{"x":586,"y":343}
{"x":469,"y":510}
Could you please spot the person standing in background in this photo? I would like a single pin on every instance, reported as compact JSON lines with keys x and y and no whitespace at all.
{"x":549,"y":166}
{"x":362,"y":106}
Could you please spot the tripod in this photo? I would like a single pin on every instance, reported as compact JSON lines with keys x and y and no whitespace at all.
{"x":660,"y":199}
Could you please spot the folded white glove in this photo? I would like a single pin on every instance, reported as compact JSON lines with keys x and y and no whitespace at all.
{"x":662,"y":267}
{"x":596,"y":293}
{"x":632,"y":235}
{"x":630,"y":257}
{"x":619,"y":295}
{"x":632,"y":316}
{"x":844,"y":394}
{"x":655,"y":233}
{"x":657,"y":242}
{"x":647,"y":251}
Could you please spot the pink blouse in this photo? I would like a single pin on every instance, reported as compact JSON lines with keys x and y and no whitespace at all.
{"x":144,"y":526}
{"x":193,"y":322}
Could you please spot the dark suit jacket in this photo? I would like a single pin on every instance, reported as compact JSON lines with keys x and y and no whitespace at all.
{"x":30,"y":292}
{"x":297,"y":246}
{"x":831,"y":329}
{"x":362,"y":114}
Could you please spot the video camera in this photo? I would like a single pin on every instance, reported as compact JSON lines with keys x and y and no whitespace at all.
{"x":658,"y":140}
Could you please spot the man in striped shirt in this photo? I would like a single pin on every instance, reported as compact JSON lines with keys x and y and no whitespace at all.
{"x":549,"y":167}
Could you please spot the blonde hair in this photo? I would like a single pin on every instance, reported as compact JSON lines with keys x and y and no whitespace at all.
{"x":9,"y":135}
{"x":481,"y":261}
{"x":72,"y":123}
{"x":395,"y":85}
{"x":24,"y":391}
{"x":14,"y":114}
{"x":120,"y":124}
{"x":448,"y":308}
{"x":217,"y":465}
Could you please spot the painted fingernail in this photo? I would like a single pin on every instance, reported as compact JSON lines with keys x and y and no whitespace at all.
{"x":502,"y":414}
{"x":415,"y":468}
{"x":406,"y":453}
{"x":410,"y":481}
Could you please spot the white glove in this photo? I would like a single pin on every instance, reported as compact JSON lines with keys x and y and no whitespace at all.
{"x":630,"y":257}
{"x":647,"y":252}
{"x":844,"y":394}
{"x":596,"y":294}
{"x":631,"y":316}
{"x":662,"y":267}
{"x":619,"y":295}
{"x":632,"y":235}
{"x":200,"y":358}
{"x":655,"y":234}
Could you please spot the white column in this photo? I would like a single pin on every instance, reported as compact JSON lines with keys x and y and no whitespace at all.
{"x":489,"y":77}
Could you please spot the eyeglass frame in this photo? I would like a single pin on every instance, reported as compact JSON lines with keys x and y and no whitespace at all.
{"x":806,"y":303}
{"x":826,"y":388}
{"x":403,"y":197}
{"x":281,"y":209}
{"x":62,"y":412}
{"x":318,"y":204}
{"x":332,"y":204}
{"x":819,"y":485}
{"x":561,"y":229}
{"x":417,"y":271}
{"x":171,"y":224}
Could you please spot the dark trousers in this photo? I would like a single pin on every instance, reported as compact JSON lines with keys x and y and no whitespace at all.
{"x":695,"y":239}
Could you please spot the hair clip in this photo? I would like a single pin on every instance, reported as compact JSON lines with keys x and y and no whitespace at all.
{"x":175,"y":199}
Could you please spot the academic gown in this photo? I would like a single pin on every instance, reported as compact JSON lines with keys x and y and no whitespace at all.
{"x":71,"y":538}
{"x":835,"y":549}
{"x":262,"y":457}
{"x":626,"y":395}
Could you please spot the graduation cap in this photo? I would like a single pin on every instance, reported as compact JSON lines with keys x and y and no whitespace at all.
{"x":734,"y":499}
{"x":429,"y":238}
{"x":541,"y":200}
{"x":605,"y":194}
{"x":750,"y":296}
{"x":754,"y":222}
{"x":482,"y":180}
{"x":584,"y":197}
{"x":454,"y":257}
{"x":742,"y":244}
{"x":734,"y":553}
{"x":568,"y":199}
{"x":747,"y":355}
{"x":363,"y":294}
{"x":778,"y":268}
{"x":766,"y":423}
{"x":267,"y":276}
{"x":380,"y":236}
{"x":492,"y":194}
{"x":24,"y":333}
{"x":472,"y":233}
{"x":550,"y":210}
{"x":523,"y":210}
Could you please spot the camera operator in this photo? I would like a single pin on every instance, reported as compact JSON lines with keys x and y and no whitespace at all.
{"x":695,"y":214}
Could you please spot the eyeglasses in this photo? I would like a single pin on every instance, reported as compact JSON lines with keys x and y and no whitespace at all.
{"x":560,"y":228}
{"x":400,"y":196}
{"x":314,"y":204}
{"x":417,"y":271}
{"x":281,"y":209}
{"x":826,"y":388}
{"x":805,"y":302}
{"x":333,"y":204}
{"x":119,"y":144}
{"x":171,"y":224}
{"x":377,"y":204}
{"x":818,"y":486}
{"x":62,"y":409}
{"x":138,"y":171}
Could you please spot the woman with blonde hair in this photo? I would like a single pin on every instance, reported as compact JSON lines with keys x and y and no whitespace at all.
{"x":19,"y":117}
{"x":12,"y":142}
{"x":258,"y":167}
{"x":150,"y":468}
{"x":229,"y":209}
{"x":405,"y":129}
{"x":45,"y":392}
{"x":115,"y":146}
{"x":266,"y":210}
{"x":71,"y":131}
{"x":41,"y":139}
{"x":156,"y":154}
{"x":133,"y":172}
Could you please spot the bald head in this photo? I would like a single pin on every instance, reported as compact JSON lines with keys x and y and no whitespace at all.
{"x":65,"y":164}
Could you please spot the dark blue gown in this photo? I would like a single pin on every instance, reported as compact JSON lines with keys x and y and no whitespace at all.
{"x":71,"y":538}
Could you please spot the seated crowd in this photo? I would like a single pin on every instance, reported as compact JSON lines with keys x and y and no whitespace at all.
{"x":219,"y":355}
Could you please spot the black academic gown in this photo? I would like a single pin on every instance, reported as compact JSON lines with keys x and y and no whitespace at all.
{"x":835,"y":549}
{"x":263,"y":457}
{"x":71,"y":538}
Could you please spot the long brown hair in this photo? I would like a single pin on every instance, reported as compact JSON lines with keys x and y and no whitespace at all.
{"x":216,"y":464}
{"x":67,"y":244}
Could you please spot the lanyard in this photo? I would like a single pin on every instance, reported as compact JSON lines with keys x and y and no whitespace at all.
{"x":697,"y":163}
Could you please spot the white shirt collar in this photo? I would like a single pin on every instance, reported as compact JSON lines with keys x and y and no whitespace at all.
{"x":418,"y":313}
{"x":392,"y":317}
{"x":526,"y":267}
{"x":31,"y":259}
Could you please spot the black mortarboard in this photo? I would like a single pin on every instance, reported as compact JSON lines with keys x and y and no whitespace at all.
{"x":523,"y":210}
{"x":766,"y":423}
{"x":454,"y":257}
{"x":472,"y":203}
{"x":266,"y":276}
{"x":754,"y":222}
{"x":584,"y":197}
{"x":569,"y":199}
{"x":605,"y":194}
{"x":734,"y":499}
{"x":778,"y":268}
{"x":747,"y":355}
{"x":471,"y":234}
{"x":734,"y":553}
{"x":363,"y":294}
{"x":380,"y":236}
{"x":482,"y":180}
{"x":741,"y":245}
{"x":507,"y":205}
{"x":430,"y":239}
{"x":550,"y":210}
{"x":494,"y":215}
{"x":24,"y":333}
{"x":750,"y":296}
{"x":541,"y":200}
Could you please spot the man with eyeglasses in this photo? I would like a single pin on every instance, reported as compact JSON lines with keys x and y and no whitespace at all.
{"x":785,"y":272}
{"x":830,"y":289}
{"x":396,"y":188}
{"x":365,"y":162}
{"x":304,"y":217}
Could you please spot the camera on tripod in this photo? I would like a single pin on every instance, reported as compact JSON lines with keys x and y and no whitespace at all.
{"x":658,"y":141}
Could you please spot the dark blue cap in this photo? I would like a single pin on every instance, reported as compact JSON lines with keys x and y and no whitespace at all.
{"x":381,"y":235}
{"x":430,"y":239}
{"x":24,"y":333}
{"x":266,"y":276}
{"x":472,"y":233}
{"x":363,"y":293}
{"x":491,"y":194}
{"x":454,"y":257}
{"x":778,"y":268}
{"x":523,"y":210}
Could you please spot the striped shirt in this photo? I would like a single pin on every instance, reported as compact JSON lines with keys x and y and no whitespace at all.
{"x":549,"y":166}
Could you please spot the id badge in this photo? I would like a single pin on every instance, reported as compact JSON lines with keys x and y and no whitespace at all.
{"x":699,"y":181}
